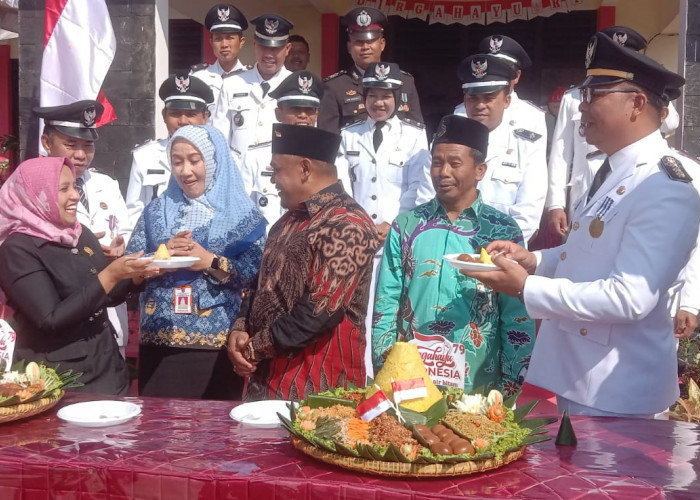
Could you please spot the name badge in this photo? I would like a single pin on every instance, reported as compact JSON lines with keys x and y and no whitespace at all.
{"x":182,"y":299}
{"x":352,"y":99}
{"x":7,"y":345}
{"x":240,"y":94}
{"x":352,"y":153}
{"x":155,"y":171}
{"x":444,"y":360}
{"x":266,"y":173}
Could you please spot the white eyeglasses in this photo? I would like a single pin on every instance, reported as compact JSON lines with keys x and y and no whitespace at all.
{"x":587,"y":93}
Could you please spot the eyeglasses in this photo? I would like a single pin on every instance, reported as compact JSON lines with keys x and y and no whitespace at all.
{"x":587,"y":93}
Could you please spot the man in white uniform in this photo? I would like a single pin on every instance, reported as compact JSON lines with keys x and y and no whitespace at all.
{"x":298,"y":98}
{"x":186,"y":99}
{"x":226,"y":24}
{"x":251,"y":109}
{"x":516,"y":178}
{"x":520,"y":110}
{"x":70,"y":132}
{"x":388,"y":161}
{"x":605,"y":345}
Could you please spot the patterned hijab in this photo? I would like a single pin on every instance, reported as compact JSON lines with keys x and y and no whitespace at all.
{"x":223,"y":219}
{"x":29,"y":202}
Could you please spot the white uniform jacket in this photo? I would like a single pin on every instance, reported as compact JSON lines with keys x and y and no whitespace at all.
{"x":105,"y":200}
{"x":214,"y":75}
{"x":516,"y":178}
{"x":606,"y":337}
{"x":149,"y":177}
{"x":249,"y":115}
{"x":257,"y":176}
{"x":572,"y":161}
{"x":393,"y":179}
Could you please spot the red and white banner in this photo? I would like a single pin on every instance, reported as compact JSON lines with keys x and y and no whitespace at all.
{"x":374,"y":406}
{"x":79,"y":47}
{"x":471,"y":11}
{"x":406,"y":390}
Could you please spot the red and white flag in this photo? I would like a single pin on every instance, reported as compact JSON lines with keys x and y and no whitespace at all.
{"x":374,"y":406}
{"x":79,"y":47}
{"x":406,"y":390}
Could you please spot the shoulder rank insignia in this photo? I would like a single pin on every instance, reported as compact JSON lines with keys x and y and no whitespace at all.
{"x":528,"y":135}
{"x":674,"y":169}
{"x":415,"y":123}
{"x":198,"y":67}
{"x":354,"y":122}
{"x":334,"y":75}
{"x":406,"y":73}
{"x":533,"y":105}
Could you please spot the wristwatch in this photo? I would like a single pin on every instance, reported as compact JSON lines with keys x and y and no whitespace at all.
{"x":215,"y":263}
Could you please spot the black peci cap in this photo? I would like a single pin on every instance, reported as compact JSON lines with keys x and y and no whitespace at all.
{"x":364,"y":23}
{"x":75,"y":120}
{"x":506,"y":48}
{"x":627,"y":37}
{"x":225,"y":18}
{"x":307,"y":142}
{"x":455,"y":129}
{"x":185,"y":92}
{"x":272,"y":30}
{"x":609,"y":62}
{"x":485,"y":73}
{"x":301,"y":88}
{"x":382,"y":75}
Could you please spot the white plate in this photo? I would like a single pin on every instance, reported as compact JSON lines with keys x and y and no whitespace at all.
{"x":468,"y":266}
{"x":99,"y":413}
{"x":174,"y":262}
{"x":261,"y":414}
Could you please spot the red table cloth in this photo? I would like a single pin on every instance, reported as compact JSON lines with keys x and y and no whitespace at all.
{"x":182,"y":449}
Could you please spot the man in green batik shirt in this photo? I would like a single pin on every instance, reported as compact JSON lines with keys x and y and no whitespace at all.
{"x":467,"y":334}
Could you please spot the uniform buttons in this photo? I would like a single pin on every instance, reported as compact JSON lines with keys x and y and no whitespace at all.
{"x":583,"y":332}
{"x":262,"y":105}
{"x":264,"y":190}
{"x":374,"y":161}
{"x":374,"y":196}
{"x":104,"y":324}
{"x":260,"y":124}
{"x":575,"y":226}
{"x":374,"y":216}
{"x":74,"y":251}
{"x":93,"y":270}
{"x":374,"y":179}
{"x":91,"y":319}
{"x":563,"y":256}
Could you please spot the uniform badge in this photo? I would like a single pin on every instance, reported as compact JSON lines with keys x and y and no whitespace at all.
{"x":479,"y":68}
{"x":495,"y":44}
{"x":620,"y":38}
{"x":88,"y":251}
{"x":442,"y":129}
{"x":263,"y":201}
{"x":74,"y":251}
{"x":596,"y":228}
{"x":271,"y":26}
{"x":381,"y":71}
{"x":223,"y":14}
{"x":621,"y":190}
{"x":527,"y":134}
{"x":89,"y":115}
{"x":590,"y":51}
{"x":182,"y":83}
{"x":404,"y":97}
{"x":305,"y":84}
{"x":674,"y":169}
{"x":351,"y":92}
{"x":364,"y":19}
{"x":238,"y":119}
{"x":103,"y":205}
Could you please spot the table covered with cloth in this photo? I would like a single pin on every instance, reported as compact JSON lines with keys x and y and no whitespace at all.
{"x":189,"y":449}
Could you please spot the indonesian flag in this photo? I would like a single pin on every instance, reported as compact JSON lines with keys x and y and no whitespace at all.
{"x":406,"y":390}
{"x":374,"y":406}
{"x":79,"y":47}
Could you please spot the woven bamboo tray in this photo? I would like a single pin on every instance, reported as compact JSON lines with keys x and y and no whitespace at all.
{"x":24,"y":410}
{"x":400,"y":469}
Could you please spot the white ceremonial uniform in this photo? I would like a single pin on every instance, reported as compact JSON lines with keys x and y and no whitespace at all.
{"x":515,"y":181}
{"x":149,"y":177}
{"x":250,"y":115}
{"x":214,"y":75}
{"x":105,"y":200}
{"x":257,"y":181}
{"x":572,"y":161}
{"x":387,"y":182}
{"x":606,"y":337}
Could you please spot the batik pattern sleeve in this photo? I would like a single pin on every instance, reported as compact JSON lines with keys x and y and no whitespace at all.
{"x":388,"y":295}
{"x":342,"y":251}
{"x":517,"y":333}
